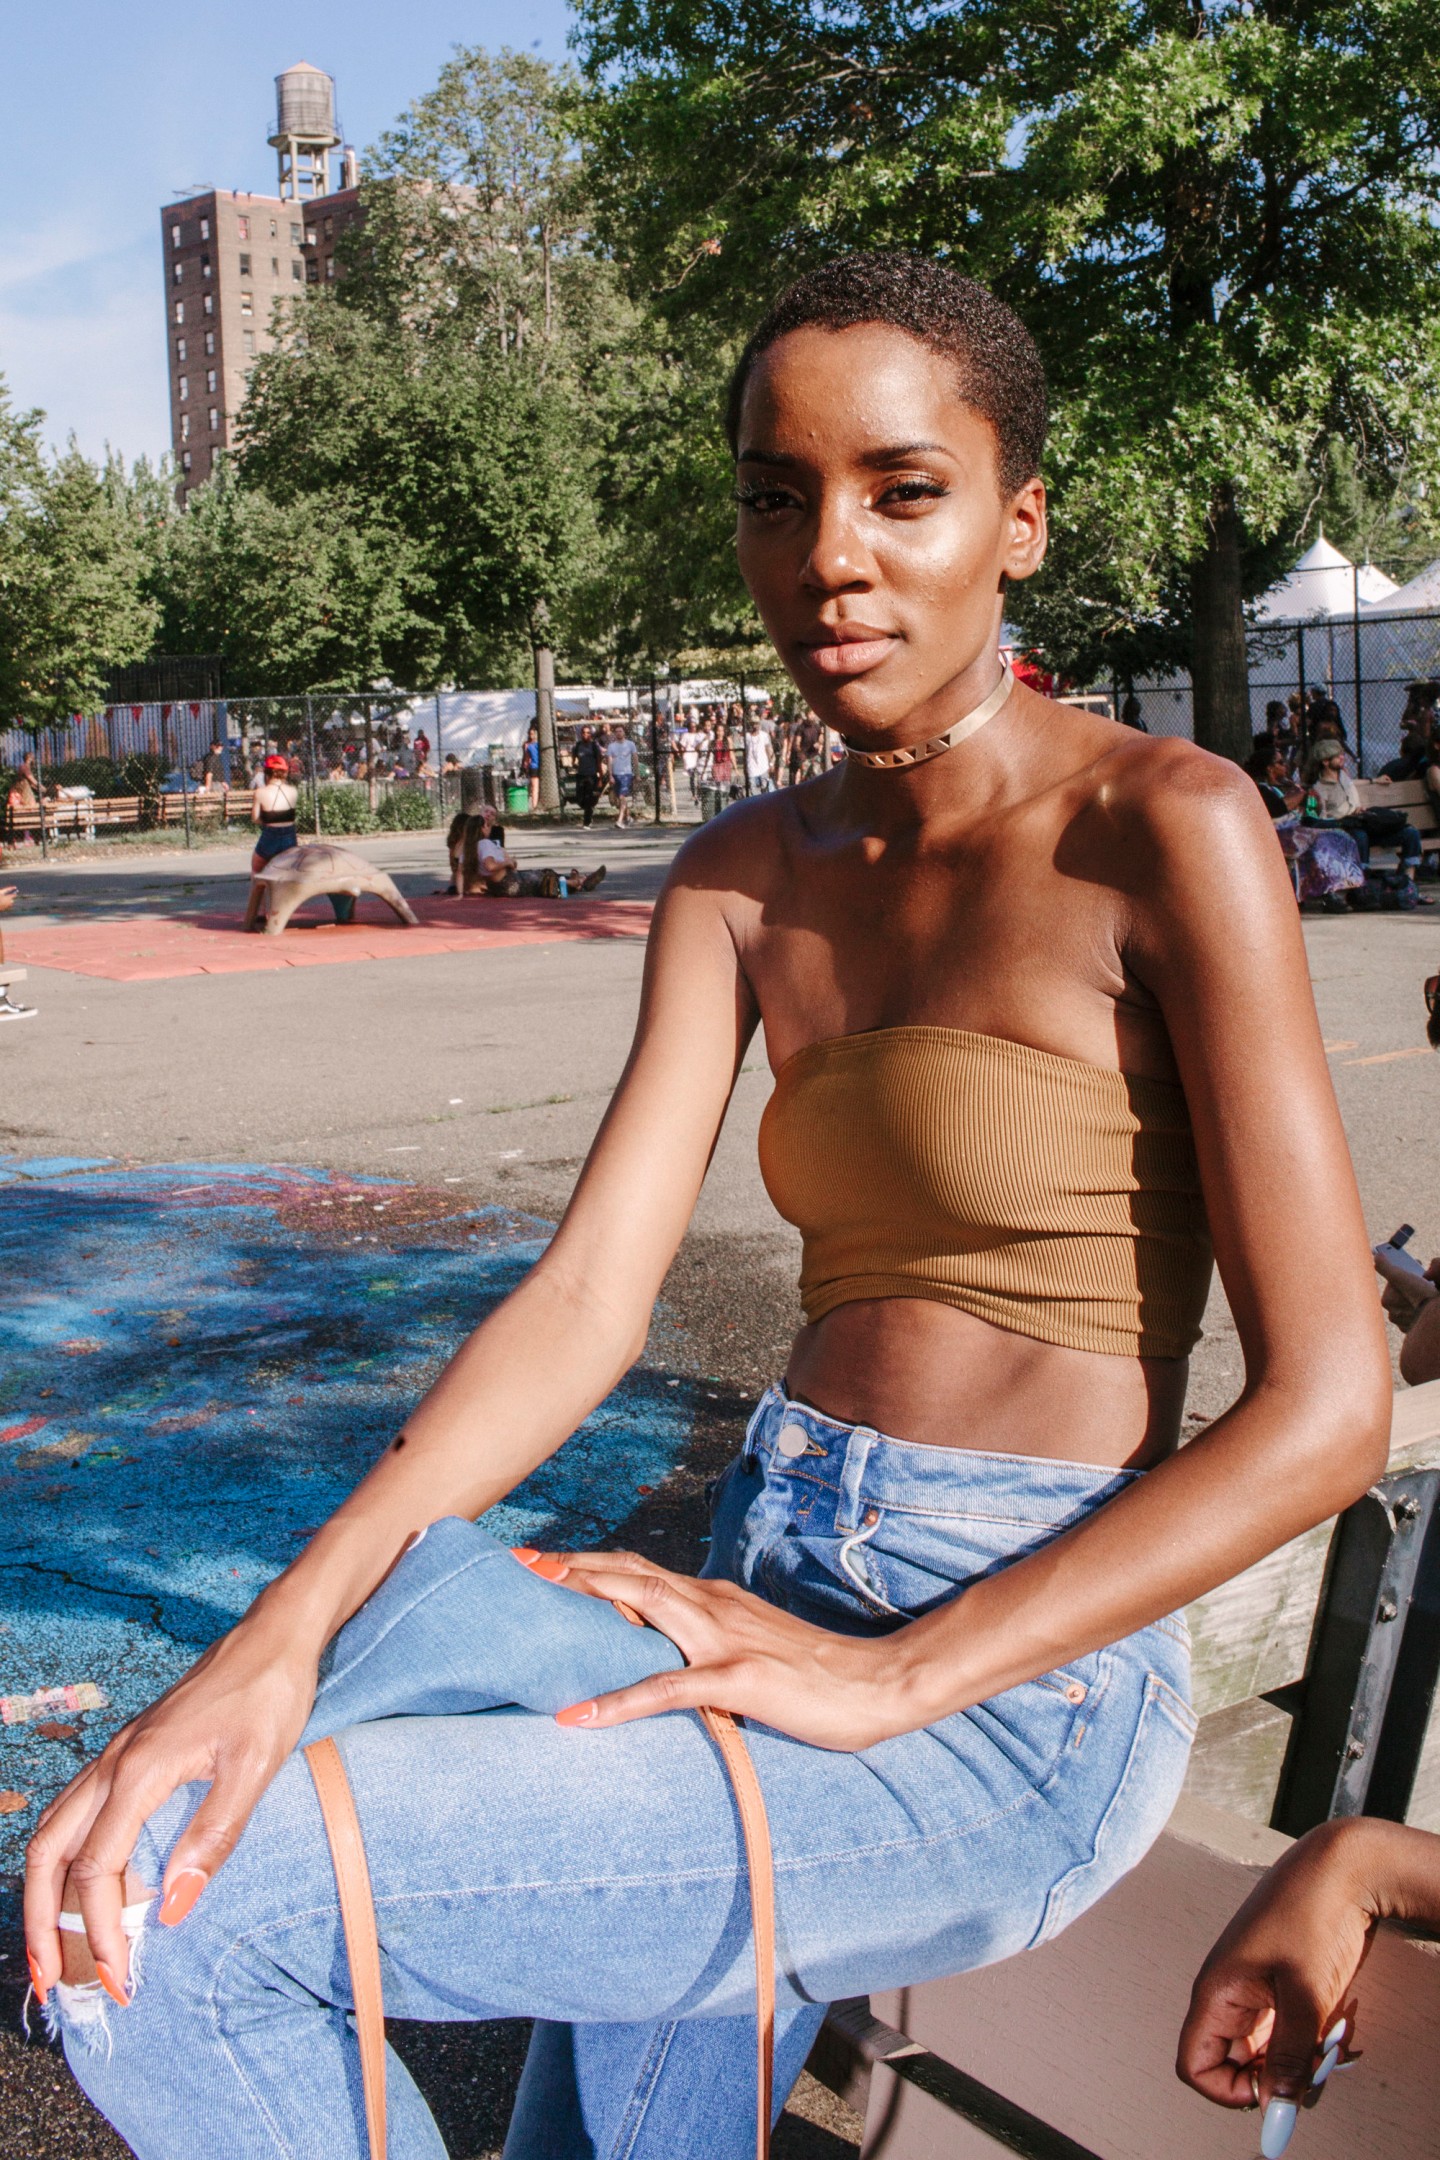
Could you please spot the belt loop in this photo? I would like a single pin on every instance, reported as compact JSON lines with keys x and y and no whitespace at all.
{"x":757,"y":1417}
{"x":852,"y":1477}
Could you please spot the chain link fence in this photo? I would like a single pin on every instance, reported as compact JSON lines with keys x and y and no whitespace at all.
{"x":367,"y":762}
{"x":1367,"y":664}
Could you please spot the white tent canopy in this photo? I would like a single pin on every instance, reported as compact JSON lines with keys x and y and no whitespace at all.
{"x":473,"y":721}
{"x":1422,"y":591}
{"x":1325,"y":583}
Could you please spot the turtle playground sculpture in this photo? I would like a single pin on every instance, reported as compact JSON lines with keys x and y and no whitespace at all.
{"x":304,"y":873}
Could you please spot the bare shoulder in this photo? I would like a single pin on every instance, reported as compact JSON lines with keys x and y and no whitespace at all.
{"x":1176,"y":802}
{"x":737,"y":852}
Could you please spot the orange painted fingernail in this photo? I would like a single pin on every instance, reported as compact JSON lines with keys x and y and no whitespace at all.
{"x":551,"y":1567}
{"x":108,"y":1982}
{"x":527,"y":1555}
{"x":41,"y":1991}
{"x":580,"y":1713}
{"x":181,"y":1895}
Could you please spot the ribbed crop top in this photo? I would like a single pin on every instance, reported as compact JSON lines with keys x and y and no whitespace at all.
{"x":1046,"y":1195}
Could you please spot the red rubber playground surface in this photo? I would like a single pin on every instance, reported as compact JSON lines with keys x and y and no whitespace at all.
{"x":152,"y":948}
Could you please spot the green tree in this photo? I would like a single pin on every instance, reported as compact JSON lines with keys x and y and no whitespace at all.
{"x":74,"y":550}
{"x":1217,"y":216}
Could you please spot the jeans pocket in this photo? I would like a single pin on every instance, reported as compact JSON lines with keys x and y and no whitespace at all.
{"x":1137,"y":1809}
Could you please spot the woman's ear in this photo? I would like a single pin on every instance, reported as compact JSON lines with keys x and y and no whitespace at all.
{"x":1028,"y":531}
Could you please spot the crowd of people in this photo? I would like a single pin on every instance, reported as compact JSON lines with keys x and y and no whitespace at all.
{"x":1305,"y":769}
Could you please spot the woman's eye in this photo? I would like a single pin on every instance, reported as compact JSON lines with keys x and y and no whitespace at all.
{"x":913,"y":491}
{"x":765,"y":502}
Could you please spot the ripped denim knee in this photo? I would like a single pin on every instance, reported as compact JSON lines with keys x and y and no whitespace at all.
{"x":79,"y":2011}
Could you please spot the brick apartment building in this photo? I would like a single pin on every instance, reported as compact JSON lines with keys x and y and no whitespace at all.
{"x":229,"y":258}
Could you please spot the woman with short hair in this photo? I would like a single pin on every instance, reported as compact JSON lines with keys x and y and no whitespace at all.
{"x":1034,"y":994}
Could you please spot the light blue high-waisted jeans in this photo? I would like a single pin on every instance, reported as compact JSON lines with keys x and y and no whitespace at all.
{"x":595,"y":1881}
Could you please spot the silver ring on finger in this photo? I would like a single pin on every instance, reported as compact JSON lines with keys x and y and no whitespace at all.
{"x":1253,"y":2103}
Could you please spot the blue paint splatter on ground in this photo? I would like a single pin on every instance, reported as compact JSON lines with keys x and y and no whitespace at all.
{"x":197,"y":1362}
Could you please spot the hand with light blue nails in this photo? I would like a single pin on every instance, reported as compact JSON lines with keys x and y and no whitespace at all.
{"x":1270,"y":2016}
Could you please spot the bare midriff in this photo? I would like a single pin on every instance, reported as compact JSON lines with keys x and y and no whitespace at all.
{"x":917,"y":1370}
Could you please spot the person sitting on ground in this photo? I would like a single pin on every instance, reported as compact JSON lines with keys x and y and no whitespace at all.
{"x":273,"y":810}
{"x":481,"y":866}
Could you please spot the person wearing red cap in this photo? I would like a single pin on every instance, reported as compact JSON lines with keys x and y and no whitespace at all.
{"x":273,"y":810}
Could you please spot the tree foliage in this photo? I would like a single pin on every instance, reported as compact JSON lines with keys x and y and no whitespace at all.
{"x":1217,"y":217}
{"x":74,"y":552}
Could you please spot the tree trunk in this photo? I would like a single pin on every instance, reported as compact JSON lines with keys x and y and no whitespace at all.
{"x":545,"y":713}
{"x":1219,"y":665}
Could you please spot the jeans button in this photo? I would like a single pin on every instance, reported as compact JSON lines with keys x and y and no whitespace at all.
{"x":1076,"y":1692}
{"x":793,"y":1441}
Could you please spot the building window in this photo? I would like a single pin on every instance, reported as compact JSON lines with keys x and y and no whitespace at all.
{"x":244,"y":266}
{"x":184,"y":386}
{"x":297,"y":271}
{"x":209,"y":303}
{"x":209,"y":341}
{"x":214,"y":419}
{"x":180,"y":353}
{"x":204,"y":228}
{"x":185,"y":460}
{"x":247,"y":339}
{"x":204,"y":266}
{"x":330,"y":266}
{"x":274,"y":229}
{"x":177,"y":272}
{"x":242,"y":228}
{"x":184,"y":427}
{"x":274,"y":266}
{"x":210,"y":381}
{"x":312,"y":273}
{"x":179,"y":311}
{"x":295,"y":236}
{"x":329,"y":228}
{"x":247,"y":304}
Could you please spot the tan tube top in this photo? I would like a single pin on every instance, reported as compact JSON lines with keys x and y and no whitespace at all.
{"x":1043,"y":1194}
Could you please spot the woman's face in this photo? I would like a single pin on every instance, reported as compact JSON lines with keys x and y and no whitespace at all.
{"x":872,"y":532}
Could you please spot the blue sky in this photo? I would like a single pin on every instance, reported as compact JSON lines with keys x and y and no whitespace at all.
{"x":107,"y":107}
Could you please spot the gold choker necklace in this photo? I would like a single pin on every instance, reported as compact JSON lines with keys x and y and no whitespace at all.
{"x":917,"y":753}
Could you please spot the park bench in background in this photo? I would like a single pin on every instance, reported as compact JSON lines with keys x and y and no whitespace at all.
{"x":1411,"y":796}
{"x":1315,"y":1677}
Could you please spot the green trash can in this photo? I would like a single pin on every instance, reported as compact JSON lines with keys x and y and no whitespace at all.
{"x":517,"y":800}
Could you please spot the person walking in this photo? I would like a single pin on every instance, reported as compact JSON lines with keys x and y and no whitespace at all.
{"x":589,"y":772}
{"x":757,"y":757}
{"x":530,"y":765}
{"x":620,"y":756}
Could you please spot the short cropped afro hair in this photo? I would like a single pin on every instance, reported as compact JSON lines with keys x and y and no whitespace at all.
{"x":995,"y":358}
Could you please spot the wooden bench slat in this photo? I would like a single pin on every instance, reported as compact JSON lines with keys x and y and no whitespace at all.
{"x":1253,"y":1634}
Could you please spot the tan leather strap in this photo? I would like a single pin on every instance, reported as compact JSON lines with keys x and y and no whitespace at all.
{"x":357,"y":1912}
{"x":357,"y":1917}
{"x":750,"y":1800}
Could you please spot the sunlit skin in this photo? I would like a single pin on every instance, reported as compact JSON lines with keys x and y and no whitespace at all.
{"x":1056,"y":880}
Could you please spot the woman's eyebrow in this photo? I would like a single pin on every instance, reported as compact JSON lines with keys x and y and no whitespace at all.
{"x":891,"y":454}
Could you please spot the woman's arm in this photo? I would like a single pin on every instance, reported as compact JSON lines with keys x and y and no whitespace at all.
{"x":1281,"y":1973}
{"x":1211,"y":932}
{"x":531,"y":1372}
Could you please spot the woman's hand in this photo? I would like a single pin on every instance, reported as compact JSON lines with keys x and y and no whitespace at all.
{"x":745,"y":1656}
{"x":1277,"y":1980}
{"x":231,"y":1721}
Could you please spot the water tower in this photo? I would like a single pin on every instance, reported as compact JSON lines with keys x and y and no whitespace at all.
{"x":305,"y":131}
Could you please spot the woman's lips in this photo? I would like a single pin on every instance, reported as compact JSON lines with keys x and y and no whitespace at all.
{"x":855,"y":656}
